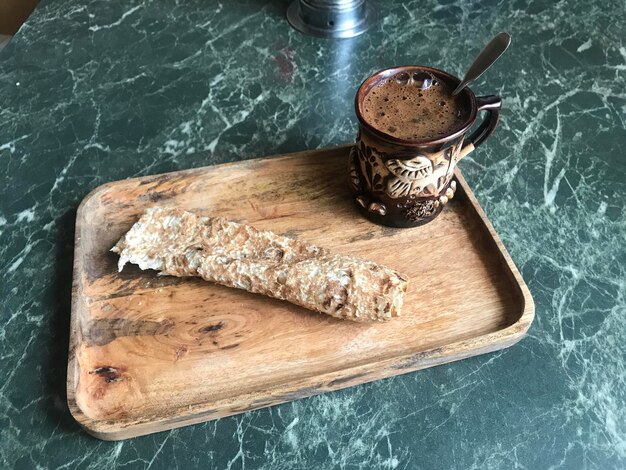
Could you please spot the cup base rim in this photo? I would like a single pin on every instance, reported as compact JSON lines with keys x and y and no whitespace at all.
{"x":396,"y":221}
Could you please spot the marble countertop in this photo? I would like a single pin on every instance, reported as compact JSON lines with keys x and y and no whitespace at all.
{"x":94,"y":91}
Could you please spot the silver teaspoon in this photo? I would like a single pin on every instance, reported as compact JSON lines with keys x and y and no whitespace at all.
{"x":485,"y":59}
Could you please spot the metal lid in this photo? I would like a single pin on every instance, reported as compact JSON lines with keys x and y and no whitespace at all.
{"x":331,"y":18}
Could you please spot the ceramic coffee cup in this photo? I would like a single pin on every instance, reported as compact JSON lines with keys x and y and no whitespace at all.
{"x":406,"y":182}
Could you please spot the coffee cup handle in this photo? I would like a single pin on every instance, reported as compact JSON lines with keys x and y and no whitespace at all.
{"x":492,"y":105}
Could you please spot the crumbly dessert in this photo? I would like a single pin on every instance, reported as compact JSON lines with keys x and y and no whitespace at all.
{"x":181,"y":243}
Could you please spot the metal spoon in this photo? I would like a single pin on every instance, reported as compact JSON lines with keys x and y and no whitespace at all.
{"x":485,"y":59}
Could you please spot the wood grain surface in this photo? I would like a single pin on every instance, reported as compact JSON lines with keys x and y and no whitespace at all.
{"x":149,"y":353}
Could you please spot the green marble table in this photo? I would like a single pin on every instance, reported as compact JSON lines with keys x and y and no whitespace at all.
{"x":99,"y":90}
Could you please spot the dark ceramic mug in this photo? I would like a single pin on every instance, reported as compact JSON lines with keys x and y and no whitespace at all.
{"x":406,"y":183}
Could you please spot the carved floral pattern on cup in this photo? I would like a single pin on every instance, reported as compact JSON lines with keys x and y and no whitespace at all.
{"x":417,"y":176}
{"x":409,"y":176}
{"x":371,"y":165}
{"x":353,"y":176}
{"x":421,"y":176}
{"x":423,"y":182}
{"x":418,"y":210}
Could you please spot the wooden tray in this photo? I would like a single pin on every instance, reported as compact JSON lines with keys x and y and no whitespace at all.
{"x":151,"y":353}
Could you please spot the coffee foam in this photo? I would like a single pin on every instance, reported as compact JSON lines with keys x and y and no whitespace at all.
{"x":414,"y":105}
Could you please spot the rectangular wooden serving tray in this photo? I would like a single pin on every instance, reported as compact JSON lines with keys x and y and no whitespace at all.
{"x":150,"y":353}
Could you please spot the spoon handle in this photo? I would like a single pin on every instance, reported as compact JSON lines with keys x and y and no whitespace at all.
{"x":487,"y":56}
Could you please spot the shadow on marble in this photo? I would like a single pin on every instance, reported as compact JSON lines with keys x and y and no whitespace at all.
{"x":54,"y":375}
{"x":275,"y":7}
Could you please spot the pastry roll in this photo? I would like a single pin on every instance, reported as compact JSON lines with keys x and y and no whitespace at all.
{"x":180,"y":243}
